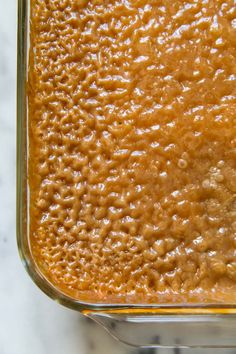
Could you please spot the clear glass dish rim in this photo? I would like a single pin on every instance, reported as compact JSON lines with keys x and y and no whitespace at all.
{"x":21,"y":218}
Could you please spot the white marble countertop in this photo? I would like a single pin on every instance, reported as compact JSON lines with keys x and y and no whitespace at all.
{"x":31,"y":323}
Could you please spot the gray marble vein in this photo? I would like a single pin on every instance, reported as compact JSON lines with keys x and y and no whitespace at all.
{"x":29,"y":321}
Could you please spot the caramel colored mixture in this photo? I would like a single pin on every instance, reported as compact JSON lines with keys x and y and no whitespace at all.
{"x":132,"y":149}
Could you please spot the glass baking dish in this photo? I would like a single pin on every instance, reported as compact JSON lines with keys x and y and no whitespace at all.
{"x":169,"y":325}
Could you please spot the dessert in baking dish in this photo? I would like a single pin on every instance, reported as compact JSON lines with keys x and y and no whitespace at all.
{"x":132,"y":149}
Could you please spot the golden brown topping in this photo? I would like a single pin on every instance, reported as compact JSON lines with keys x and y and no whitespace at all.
{"x":132,"y":164}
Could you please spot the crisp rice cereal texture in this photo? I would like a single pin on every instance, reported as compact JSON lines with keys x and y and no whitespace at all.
{"x":132,"y":159}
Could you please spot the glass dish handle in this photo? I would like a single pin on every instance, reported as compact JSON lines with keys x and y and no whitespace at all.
{"x":173,"y":331}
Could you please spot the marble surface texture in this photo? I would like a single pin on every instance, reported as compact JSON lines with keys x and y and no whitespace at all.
{"x":31,"y":323}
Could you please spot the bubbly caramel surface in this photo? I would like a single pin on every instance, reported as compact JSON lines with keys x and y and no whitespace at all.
{"x":132,"y":158}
